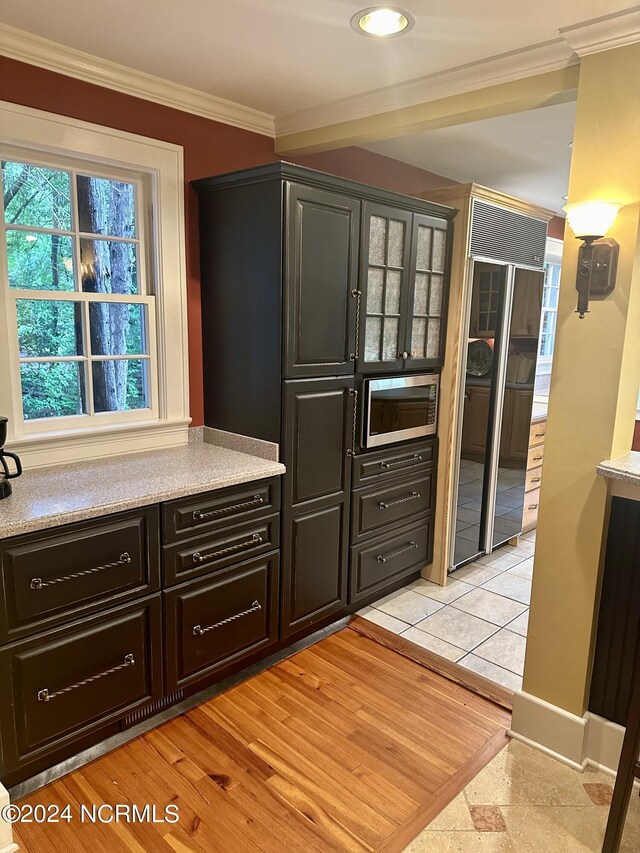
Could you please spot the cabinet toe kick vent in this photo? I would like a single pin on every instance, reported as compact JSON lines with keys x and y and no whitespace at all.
{"x":151,"y":709}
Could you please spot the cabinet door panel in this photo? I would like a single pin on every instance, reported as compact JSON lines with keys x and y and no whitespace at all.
{"x":318,"y":433}
{"x":315,"y":566}
{"x":428,"y":295}
{"x":321,"y":273}
{"x":384,"y":276}
{"x":474,"y":420}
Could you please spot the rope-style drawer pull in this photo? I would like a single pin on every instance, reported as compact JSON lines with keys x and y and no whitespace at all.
{"x":411,"y":461}
{"x":412,"y":497}
{"x":410,"y":547}
{"x":45,"y":696}
{"x":38,"y":583}
{"x":198,"y":515}
{"x":198,"y":631}
{"x":256,"y":539}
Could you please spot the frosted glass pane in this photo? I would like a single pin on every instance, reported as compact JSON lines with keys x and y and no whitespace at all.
{"x":392,"y":300}
{"x":372,"y":339}
{"x":418,"y":337}
{"x":439,"y":250}
{"x":377,"y":239}
{"x":423,"y":260}
{"x":437,"y":289}
{"x":396,"y":243}
{"x":390,"y":341}
{"x":375,"y":282}
{"x":433,"y":339}
{"x":420,"y":297}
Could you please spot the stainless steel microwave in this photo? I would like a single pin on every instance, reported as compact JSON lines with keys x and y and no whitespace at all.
{"x":399,"y":408}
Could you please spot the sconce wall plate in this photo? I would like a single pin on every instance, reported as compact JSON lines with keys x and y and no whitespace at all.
{"x":597,"y":266}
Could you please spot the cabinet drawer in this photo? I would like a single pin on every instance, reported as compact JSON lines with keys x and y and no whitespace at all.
{"x":534,"y":477}
{"x":214,"y":623}
{"x":530,"y":510}
{"x":376,"y":507}
{"x":535,"y":457}
{"x":200,"y":555}
{"x":211,"y":510}
{"x":53,"y":577}
{"x":387,"y":558}
{"x":538,"y":433}
{"x":66,"y":683}
{"x":385,"y":464}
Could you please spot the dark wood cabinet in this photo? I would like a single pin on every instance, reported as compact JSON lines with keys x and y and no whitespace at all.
{"x":385,"y":276}
{"x":52,"y":577}
{"x":197,"y":514}
{"x":321,"y":279}
{"x":404,"y":263}
{"x":617,"y":642}
{"x":72,"y":681}
{"x":214,"y":622}
{"x":319,"y":417}
{"x":350,"y":280}
{"x":390,"y":557}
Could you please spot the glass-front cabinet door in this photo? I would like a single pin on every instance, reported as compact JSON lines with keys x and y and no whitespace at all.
{"x":427,"y":298}
{"x":385,"y":276}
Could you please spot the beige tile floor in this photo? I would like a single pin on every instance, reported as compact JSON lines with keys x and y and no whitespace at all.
{"x":478,"y":620}
{"x":525,"y":802}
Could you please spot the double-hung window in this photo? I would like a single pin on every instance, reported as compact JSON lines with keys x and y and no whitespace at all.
{"x":80,"y":293}
{"x":93,"y":339}
{"x":548,"y":319}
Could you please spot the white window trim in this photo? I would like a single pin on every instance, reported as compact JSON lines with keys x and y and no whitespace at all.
{"x":553,"y":255}
{"x":52,"y":134}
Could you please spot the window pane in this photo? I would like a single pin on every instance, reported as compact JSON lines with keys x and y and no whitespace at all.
{"x":117,"y":328}
{"x":108,"y":266}
{"x":52,"y":390}
{"x":34,"y":195}
{"x":106,"y":207}
{"x":120,"y":385}
{"x":48,"y":327}
{"x":39,"y":261}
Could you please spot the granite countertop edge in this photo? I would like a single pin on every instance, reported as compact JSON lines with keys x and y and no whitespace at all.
{"x":624,"y":468}
{"x":31,"y":513}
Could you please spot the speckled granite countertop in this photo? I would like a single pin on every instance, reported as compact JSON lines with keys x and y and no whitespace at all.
{"x":625,"y":468}
{"x":49,"y":497}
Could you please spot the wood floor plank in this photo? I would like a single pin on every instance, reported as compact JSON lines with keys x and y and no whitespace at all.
{"x":478,"y":684}
{"x":349,"y":745}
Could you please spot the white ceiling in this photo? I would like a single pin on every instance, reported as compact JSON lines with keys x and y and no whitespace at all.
{"x":283,"y":55}
{"x":524,"y":154}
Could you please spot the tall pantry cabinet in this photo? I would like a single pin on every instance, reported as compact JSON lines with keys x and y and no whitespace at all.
{"x":310,"y":281}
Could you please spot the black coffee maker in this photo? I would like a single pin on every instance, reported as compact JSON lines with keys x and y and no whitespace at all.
{"x":6,"y":474}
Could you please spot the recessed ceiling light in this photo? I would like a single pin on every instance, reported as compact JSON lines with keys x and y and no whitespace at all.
{"x":382,"y":22}
{"x":565,"y":198}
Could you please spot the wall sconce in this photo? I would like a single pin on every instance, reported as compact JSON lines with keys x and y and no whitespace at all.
{"x":597,"y":258}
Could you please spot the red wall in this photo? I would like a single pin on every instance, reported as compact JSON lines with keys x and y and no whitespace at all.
{"x":210,"y":148}
{"x":370,"y":168}
{"x":556,"y":227}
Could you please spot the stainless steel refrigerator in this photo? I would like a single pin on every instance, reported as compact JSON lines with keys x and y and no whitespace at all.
{"x":493,"y":435}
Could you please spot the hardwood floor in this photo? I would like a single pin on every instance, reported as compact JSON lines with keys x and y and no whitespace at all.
{"x":347,"y":746}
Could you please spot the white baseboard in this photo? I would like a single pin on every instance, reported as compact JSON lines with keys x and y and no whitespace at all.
{"x":6,"y":835}
{"x":576,"y":741}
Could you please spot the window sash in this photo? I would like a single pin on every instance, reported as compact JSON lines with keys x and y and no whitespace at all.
{"x":145,"y":296}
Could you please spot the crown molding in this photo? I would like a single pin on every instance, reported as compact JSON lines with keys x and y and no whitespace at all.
{"x":527,"y":62}
{"x":610,"y":31}
{"x":26,"y":47}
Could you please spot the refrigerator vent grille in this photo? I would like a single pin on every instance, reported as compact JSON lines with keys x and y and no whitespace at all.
{"x":505,"y":235}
